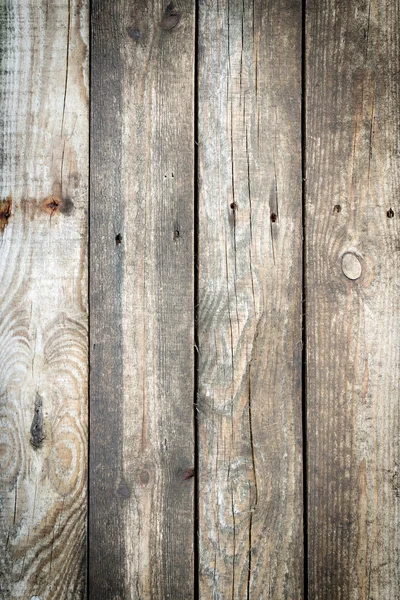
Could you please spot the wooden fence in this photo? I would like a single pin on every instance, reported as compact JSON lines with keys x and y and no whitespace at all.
{"x":199,"y":224}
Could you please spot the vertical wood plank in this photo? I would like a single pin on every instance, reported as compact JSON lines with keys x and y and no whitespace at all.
{"x":353,"y":306}
{"x":43,"y":298}
{"x":250,"y":211}
{"x":142,"y":290}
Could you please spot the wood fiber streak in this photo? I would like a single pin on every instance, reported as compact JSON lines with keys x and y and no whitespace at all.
{"x":353,"y":337}
{"x":250,"y":278}
{"x":142,"y":307}
{"x":43,"y":298}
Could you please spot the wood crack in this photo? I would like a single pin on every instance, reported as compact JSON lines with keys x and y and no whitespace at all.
{"x":66,"y":66}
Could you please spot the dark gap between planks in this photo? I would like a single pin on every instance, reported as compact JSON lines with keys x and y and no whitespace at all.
{"x":196,"y":561}
{"x":303,"y":312}
{"x":87,"y":562}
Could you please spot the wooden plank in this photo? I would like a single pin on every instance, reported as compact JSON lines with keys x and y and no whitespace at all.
{"x":249,"y":403}
{"x":142,"y":290}
{"x":353,"y":308}
{"x":43,"y":298}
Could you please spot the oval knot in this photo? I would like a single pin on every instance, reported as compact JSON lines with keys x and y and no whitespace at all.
{"x":351,"y":266}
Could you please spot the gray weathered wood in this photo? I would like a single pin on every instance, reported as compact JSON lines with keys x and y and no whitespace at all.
{"x":353,"y":341}
{"x":43,"y":299}
{"x":250,"y":214}
{"x":142,"y":309}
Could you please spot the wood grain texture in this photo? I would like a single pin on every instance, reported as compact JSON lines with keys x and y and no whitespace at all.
{"x":43,"y":299}
{"x":353,"y":341}
{"x":142,"y":290}
{"x":250,"y":211}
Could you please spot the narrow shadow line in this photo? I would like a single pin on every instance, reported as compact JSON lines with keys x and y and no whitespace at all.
{"x":88,"y":297}
{"x":304,"y":290}
{"x":196,"y":305}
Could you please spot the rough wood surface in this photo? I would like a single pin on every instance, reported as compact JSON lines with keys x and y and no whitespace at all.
{"x":43,"y":304}
{"x":353,"y":301}
{"x":249,"y":400}
{"x":142,"y":375}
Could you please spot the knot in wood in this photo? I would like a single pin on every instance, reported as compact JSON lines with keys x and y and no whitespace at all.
{"x":133,"y":33}
{"x":5,"y":212}
{"x":37,"y":435}
{"x":144,"y":477}
{"x":351,"y":266}
{"x":171,"y":17}
{"x":187,"y":474}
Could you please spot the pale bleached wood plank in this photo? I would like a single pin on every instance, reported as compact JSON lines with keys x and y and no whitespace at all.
{"x":353,"y":341}
{"x":142,"y":290}
{"x":250,"y":279}
{"x":43,"y":299}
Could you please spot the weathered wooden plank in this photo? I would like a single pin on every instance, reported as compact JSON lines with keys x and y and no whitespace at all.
{"x":43,"y":299}
{"x":249,"y":402}
{"x":142,"y":290}
{"x":353,"y":308}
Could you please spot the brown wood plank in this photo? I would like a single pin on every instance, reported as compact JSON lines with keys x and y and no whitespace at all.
{"x":142,"y":307}
{"x":43,"y":298}
{"x":353,"y":301}
{"x":250,"y":261}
